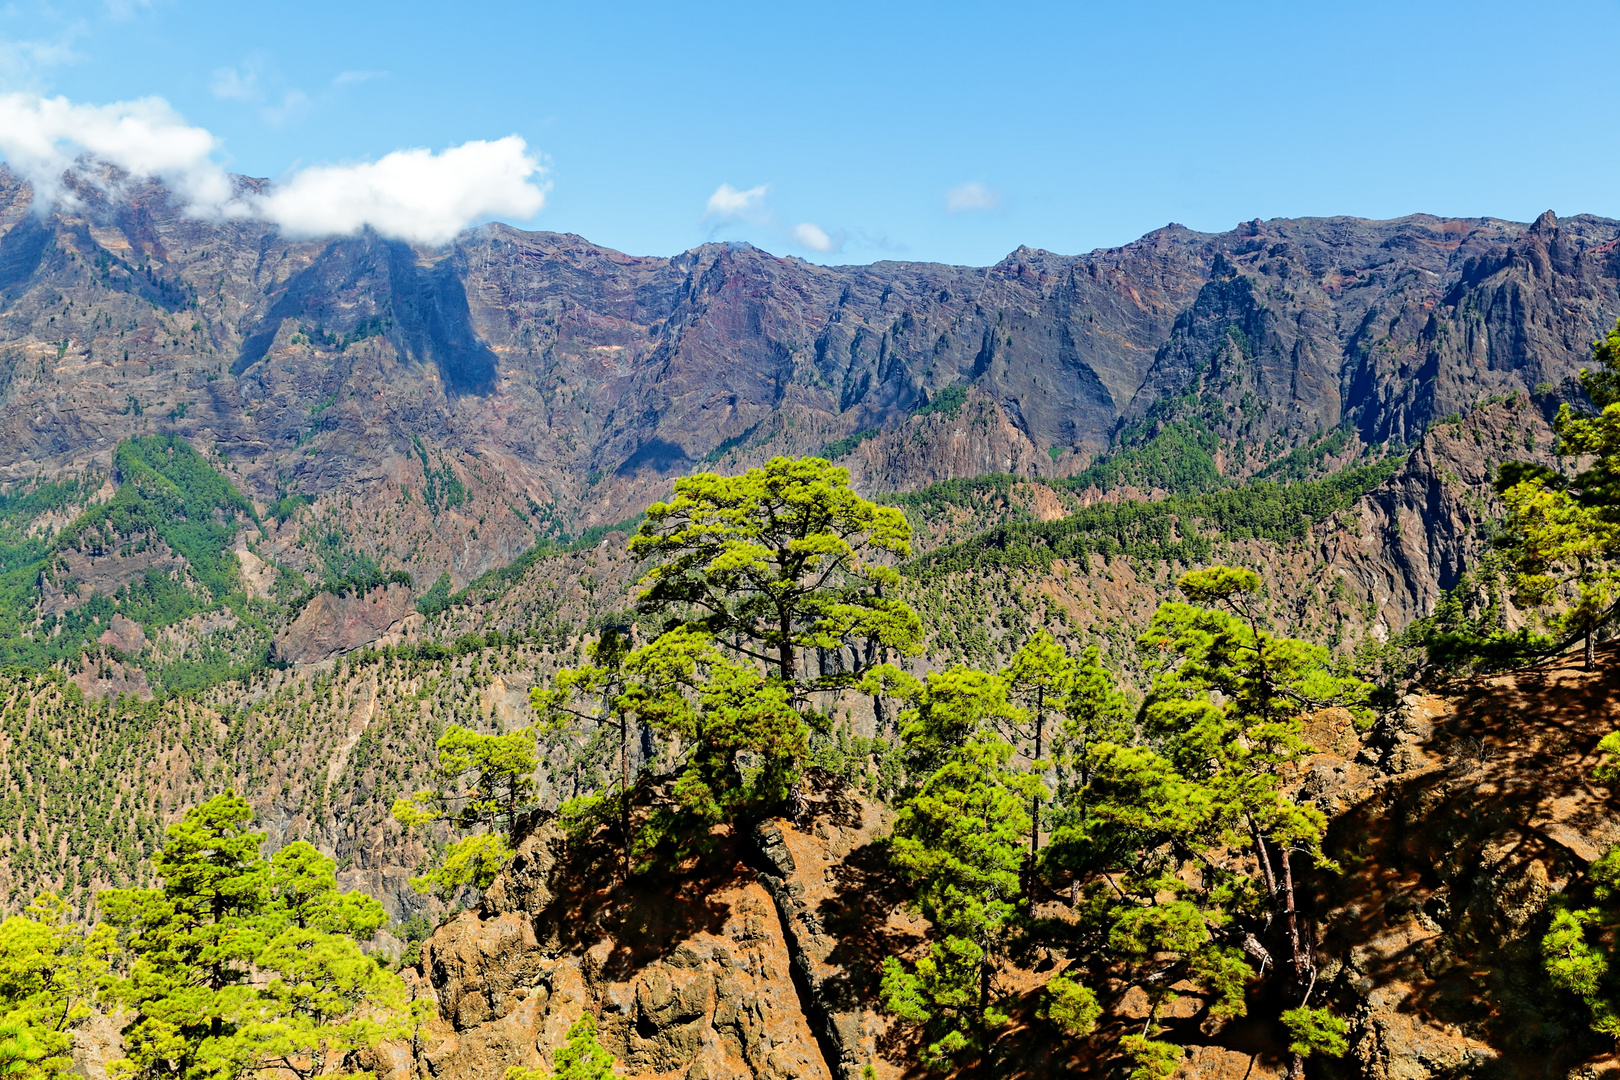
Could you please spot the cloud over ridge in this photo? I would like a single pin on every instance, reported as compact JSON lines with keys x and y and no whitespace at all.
{"x":728,"y":205}
{"x":814,"y":237}
{"x":971,"y":196}
{"x":411,"y":194}
{"x":416,"y":195}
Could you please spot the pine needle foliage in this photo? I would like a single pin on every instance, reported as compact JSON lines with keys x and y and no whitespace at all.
{"x":238,"y":963}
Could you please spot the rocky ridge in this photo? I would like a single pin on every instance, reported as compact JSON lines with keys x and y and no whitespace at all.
{"x":449,"y":407}
{"x":1454,"y":821}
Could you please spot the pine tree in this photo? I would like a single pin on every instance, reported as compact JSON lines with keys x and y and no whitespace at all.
{"x":1562,"y":548}
{"x":1562,"y":534}
{"x":583,"y":1057}
{"x":237,"y":963}
{"x":1040,"y":676}
{"x":960,"y":842}
{"x":783,"y":559}
{"x":1070,"y":702}
{"x":1186,"y":832}
{"x":50,"y":968}
{"x":1228,"y":715}
{"x":485,"y":782}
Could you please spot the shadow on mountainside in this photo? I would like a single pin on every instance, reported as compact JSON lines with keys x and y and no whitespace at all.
{"x":1432,"y":929}
{"x":1453,"y":823}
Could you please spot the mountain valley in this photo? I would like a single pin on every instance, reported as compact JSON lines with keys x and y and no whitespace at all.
{"x":276,"y":514}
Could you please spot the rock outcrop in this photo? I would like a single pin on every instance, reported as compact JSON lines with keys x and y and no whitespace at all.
{"x":124,"y":634}
{"x":688,"y":974}
{"x":333,"y":623}
{"x":1416,"y":534}
{"x":1455,"y":822}
{"x":829,"y":885}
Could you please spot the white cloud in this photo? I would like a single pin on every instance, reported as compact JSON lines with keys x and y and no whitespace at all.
{"x":974,"y":196}
{"x":350,"y":78}
{"x":232,"y":85}
{"x":815,"y":238}
{"x":41,"y":138}
{"x":728,"y":205}
{"x":414,"y":195}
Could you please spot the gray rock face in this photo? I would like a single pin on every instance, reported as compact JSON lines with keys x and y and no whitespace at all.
{"x":1419,"y":531}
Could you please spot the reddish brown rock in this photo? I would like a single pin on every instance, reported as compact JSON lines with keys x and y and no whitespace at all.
{"x":125,"y":635}
{"x":1219,"y":1063}
{"x":842,"y":915}
{"x":1461,"y":818}
{"x":102,"y":676}
{"x":332,"y":624}
{"x":687,"y":975}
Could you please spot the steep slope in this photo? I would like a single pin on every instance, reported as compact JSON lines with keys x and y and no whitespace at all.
{"x":1454,"y":821}
{"x":447,"y":408}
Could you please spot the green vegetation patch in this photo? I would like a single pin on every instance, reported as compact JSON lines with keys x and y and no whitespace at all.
{"x":1181,"y":528}
{"x":444,"y":489}
{"x":844,"y":447}
{"x":168,"y":496}
{"x":1178,"y":458}
{"x":493,"y":583}
{"x":947,"y":403}
{"x":170,"y":491}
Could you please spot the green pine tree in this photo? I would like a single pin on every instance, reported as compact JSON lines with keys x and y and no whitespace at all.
{"x":485,"y":782}
{"x":582,"y":1058}
{"x":782,"y":560}
{"x":960,"y":840}
{"x":50,"y":968}
{"x":238,"y":963}
{"x":1185,"y":830}
{"x":1562,"y":533}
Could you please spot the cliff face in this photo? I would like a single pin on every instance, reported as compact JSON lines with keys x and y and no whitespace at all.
{"x":331,"y":624}
{"x":1432,"y":930}
{"x":448,"y":407}
{"x":1454,"y":822}
{"x":1417,"y":533}
{"x":688,"y":974}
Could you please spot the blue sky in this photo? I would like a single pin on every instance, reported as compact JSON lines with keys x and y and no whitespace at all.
{"x":1061,"y":126}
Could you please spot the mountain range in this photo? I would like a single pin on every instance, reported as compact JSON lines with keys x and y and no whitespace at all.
{"x":563,"y":384}
{"x":275,"y":511}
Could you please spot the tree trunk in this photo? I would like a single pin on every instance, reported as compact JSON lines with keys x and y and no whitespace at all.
{"x":624,"y":786}
{"x":1035,"y":801}
{"x":1303,"y":970}
{"x":1299,"y":962}
{"x":984,"y":992}
{"x":784,"y":651}
{"x":1589,"y":658}
{"x":1265,"y":861}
